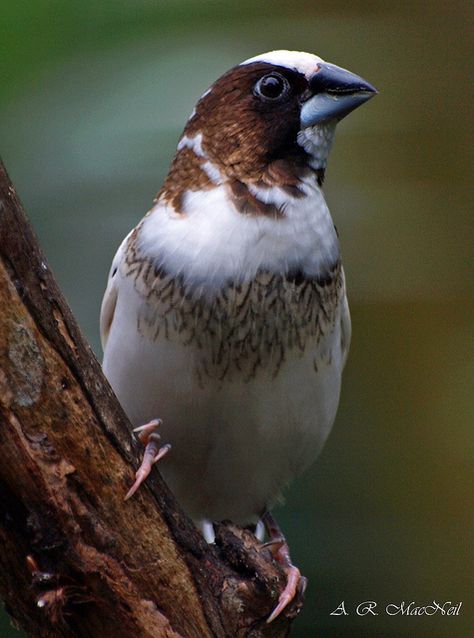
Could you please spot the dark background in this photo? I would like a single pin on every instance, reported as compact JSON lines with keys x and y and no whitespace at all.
{"x":93,"y":98}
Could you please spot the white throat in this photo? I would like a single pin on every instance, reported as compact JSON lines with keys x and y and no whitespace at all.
{"x":317,"y":142}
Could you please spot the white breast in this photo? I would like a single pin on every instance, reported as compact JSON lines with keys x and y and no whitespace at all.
{"x":212,"y":242}
{"x":235,"y":443}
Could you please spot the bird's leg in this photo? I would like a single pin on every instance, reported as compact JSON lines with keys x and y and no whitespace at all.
{"x":295,"y":582}
{"x":259,"y":530}
{"x":153,"y":452}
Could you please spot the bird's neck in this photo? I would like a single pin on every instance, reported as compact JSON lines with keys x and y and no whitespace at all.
{"x":265,"y":188}
{"x":212,"y":223}
{"x":212,"y":241}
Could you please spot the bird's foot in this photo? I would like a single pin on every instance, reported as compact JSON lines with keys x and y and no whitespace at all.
{"x":154,"y":451}
{"x":295,"y":582}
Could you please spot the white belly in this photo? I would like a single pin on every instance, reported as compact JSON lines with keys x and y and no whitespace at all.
{"x":235,"y":444}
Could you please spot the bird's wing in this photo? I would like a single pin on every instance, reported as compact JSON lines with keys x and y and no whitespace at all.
{"x":109,"y":302}
{"x":346,"y":328}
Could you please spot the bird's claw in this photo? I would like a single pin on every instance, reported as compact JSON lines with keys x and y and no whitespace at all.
{"x":153,"y":452}
{"x":145,"y":431}
{"x":294,"y":589}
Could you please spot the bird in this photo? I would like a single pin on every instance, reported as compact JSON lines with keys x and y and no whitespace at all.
{"x":225,"y":324}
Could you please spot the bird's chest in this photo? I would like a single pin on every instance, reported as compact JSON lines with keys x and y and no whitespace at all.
{"x":245,"y":379}
{"x":247,"y":386}
{"x":244,"y":329}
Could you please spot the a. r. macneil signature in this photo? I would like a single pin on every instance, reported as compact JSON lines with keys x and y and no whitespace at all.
{"x":370,"y":607}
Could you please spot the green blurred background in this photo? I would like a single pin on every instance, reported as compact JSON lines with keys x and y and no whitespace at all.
{"x":93,"y":97}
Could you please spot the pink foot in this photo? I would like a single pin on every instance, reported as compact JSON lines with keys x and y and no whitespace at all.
{"x":153,"y":452}
{"x":295,"y":582}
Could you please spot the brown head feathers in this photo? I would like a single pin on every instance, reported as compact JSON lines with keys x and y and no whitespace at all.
{"x":243,"y":132}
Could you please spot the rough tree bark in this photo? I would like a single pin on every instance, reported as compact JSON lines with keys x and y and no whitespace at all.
{"x":118,"y":569}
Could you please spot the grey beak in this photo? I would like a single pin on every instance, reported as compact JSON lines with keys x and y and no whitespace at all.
{"x":335,"y":93}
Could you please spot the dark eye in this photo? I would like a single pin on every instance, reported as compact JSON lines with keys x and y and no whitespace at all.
{"x":272,"y":87}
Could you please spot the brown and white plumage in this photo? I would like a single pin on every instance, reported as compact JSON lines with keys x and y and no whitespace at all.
{"x":226,"y":313}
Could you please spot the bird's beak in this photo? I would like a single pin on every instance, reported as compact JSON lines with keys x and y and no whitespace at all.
{"x":335,"y":93}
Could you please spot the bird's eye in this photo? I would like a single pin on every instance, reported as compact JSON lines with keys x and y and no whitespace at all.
{"x":272,"y":87}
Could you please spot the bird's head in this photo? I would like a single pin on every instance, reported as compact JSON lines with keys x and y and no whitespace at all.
{"x":266,"y":122}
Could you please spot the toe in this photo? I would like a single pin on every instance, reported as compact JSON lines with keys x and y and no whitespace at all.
{"x":295,"y":583}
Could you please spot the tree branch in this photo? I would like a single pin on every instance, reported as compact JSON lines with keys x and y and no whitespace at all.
{"x":128,"y":569}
